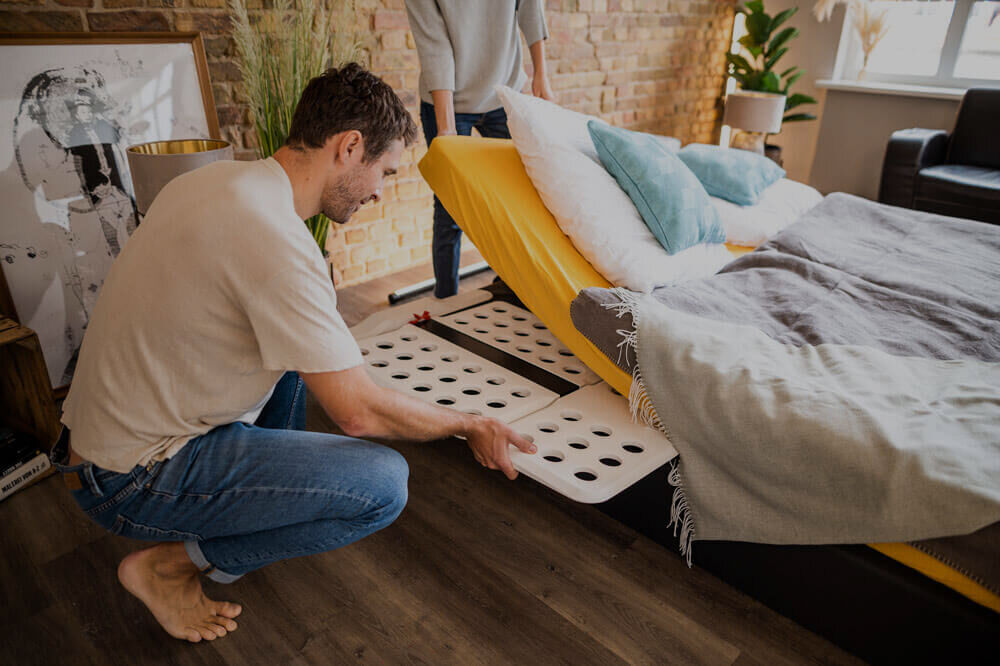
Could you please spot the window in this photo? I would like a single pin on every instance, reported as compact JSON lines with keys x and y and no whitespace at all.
{"x":949,"y":43}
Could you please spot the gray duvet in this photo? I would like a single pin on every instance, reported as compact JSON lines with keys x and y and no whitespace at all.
{"x":839,"y":385}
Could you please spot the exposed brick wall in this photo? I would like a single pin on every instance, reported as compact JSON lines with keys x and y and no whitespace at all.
{"x":652,"y":65}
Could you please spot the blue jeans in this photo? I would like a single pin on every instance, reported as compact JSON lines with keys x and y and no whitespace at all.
{"x":243,"y":496}
{"x":446,"y":247}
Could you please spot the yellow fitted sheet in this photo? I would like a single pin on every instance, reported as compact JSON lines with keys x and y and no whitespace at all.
{"x":484,"y":186}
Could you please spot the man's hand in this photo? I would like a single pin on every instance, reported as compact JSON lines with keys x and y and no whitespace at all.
{"x":489,"y":440}
{"x":540,"y":87}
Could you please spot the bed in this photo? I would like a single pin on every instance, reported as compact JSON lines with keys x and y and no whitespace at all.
{"x":874,"y":602}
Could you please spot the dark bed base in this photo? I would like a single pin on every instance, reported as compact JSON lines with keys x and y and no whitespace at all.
{"x":859,"y":599}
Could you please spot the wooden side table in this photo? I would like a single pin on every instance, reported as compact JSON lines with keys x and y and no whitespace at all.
{"x":26,"y":399}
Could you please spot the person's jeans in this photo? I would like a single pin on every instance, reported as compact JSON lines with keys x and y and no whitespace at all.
{"x":446,"y":247}
{"x":243,"y":496}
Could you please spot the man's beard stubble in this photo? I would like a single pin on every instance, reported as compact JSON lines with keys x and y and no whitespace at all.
{"x":340,"y":201}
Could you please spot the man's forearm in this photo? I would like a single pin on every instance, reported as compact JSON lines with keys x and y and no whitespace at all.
{"x":537,"y":51}
{"x":444,"y":111}
{"x":394,"y":415}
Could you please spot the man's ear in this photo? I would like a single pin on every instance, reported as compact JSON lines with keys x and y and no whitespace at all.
{"x":351,"y":147}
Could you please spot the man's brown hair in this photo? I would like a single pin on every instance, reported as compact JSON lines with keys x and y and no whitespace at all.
{"x":350,"y":98}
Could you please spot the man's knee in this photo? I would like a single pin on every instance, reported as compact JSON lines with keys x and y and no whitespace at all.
{"x":391,"y":476}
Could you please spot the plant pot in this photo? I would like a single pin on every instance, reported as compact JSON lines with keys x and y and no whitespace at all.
{"x":773,"y":153}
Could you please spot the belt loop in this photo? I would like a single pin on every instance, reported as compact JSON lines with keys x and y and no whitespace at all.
{"x":88,"y":477}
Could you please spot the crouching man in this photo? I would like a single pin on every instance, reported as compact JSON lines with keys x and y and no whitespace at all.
{"x":185,"y":421}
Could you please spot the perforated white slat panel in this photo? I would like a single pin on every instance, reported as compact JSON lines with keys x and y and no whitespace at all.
{"x":520,"y":333}
{"x":588,"y":447}
{"x":420,"y":363}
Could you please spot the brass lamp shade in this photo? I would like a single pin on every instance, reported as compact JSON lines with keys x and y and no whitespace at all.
{"x":754,"y":111}
{"x":155,"y":164}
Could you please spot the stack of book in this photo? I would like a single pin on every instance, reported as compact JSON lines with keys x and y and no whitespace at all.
{"x":20,"y":461}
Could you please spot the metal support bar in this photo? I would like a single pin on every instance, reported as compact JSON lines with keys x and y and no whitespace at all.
{"x":427,"y":285}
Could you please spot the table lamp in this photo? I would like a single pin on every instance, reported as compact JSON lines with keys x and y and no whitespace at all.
{"x":753,"y":115}
{"x":155,"y":164}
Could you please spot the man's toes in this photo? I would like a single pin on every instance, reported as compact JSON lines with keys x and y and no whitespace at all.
{"x":192,"y":634}
{"x":207,"y":632}
{"x":229,"y":624}
{"x":228,"y":609}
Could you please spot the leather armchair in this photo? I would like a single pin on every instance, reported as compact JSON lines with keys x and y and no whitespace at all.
{"x":955,"y":174}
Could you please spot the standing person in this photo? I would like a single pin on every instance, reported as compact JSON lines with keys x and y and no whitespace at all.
{"x":466,"y":49}
{"x":187,"y":410}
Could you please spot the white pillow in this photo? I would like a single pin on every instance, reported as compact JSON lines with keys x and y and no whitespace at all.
{"x":780,"y":204}
{"x":590,"y":207}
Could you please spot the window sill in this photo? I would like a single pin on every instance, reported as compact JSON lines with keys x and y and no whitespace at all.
{"x":905,"y":90}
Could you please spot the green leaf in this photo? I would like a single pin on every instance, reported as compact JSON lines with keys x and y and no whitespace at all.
{"x":770,"y":82}
{"x":772,"y":59}
{"x":755,"y":5}
{"x":757,"y":27}
{"x":782,"y":17}
{"x":751,"y":45}
{"x":738,"y":62}
{"x":781,"y":38}
{"x":796,"y":117}
{"x":798,"y":99}
{"x":788,"y":71}
{"x":792,"y":79}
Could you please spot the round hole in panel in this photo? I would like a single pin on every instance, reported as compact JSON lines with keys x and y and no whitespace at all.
{"x":400,"y":375}
{"x":365,"y":352}
{"x":500,"y":324}
{"x":525,"y":350}
{"x":546,"y":359}
{"x":578,"y":443}
{"x":472,"y":369}
{"x":496,"y":404}
{"x":518,"y":317}
{"x":449,"y":358}
{"x":480,"y":331}
{"x":495,"y":381}
{"x":409,"y":337}
{"x":633,"y":447}
{"x":422,"y":388}
{"x":471,"y":391}
{"x":499,"y":308}
{"x":610,"y":461}
{"x":548,"y":427}
{"x":543,"y":343}
{"x":385,"y":345}
{"x":428,"y":348}
{"x":445,"y":400}
{"x":570,"y":370}
{"x":426,"y":367}
{"x":553,"y":456}
{"x":601,"y":430}
{"x":571,"y":415}
{"x":502,"y":340}
{"x":520,"y":393}
{"x":380,"y":364}
{"x":539,"y":325}
{"x":521,"y":334}
{"x":474,"y":412}
{"x":480,"y":315}
{"x":448,"y":379}
{"x":462,"y":322}
{"x":585,"y":475}
{"x":404,"y":357}
{"x":565,"y":352}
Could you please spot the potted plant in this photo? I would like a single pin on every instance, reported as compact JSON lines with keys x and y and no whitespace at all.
{"x":278,"y":51}
{"x":757,"y":71}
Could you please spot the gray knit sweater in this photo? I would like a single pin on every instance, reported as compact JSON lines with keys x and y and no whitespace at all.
{"x":469,"y":46}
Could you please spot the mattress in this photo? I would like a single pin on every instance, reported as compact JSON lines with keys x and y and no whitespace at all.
{"x":483,"y":185}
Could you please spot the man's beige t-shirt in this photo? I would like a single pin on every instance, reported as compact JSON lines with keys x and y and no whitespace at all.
{"x":219,"y":291}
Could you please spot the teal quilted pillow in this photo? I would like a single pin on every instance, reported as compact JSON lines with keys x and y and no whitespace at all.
{"x":672,"y":202}
{"x":731,"y":174}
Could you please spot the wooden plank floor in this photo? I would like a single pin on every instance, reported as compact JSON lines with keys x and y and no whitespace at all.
{"x":477,"y":570}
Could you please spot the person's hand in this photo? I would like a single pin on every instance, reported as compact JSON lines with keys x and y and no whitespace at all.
{"x":540,"y":87}
{"x":489,"y":440}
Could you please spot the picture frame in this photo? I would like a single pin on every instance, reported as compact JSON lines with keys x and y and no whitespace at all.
{"x":70,"y":105}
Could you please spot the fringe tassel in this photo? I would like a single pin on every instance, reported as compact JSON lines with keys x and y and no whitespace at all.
{"x":642,"y":410}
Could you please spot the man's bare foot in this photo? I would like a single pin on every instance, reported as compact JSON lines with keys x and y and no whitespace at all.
{"x":164,"y":578}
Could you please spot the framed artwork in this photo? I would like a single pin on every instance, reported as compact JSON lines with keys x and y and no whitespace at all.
{"x":70,"y":105}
